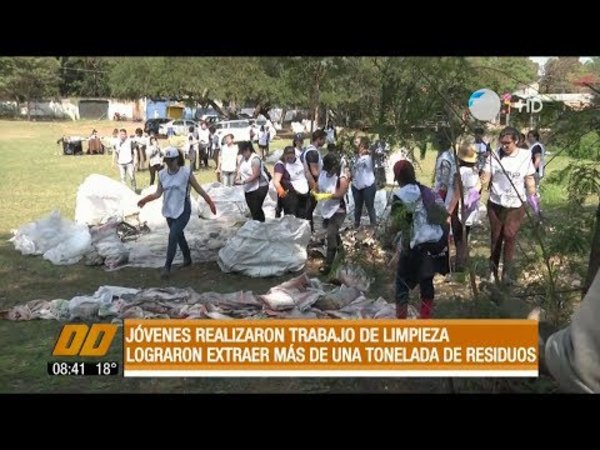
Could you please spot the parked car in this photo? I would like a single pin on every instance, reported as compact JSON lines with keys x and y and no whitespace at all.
{"x":239,"y":128}
{"x":180,"y":126}
{"x":153,"y":125}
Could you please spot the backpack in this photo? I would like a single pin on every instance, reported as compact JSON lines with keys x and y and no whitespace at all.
{"x":264,"y":169}
{"x":437,"y":214}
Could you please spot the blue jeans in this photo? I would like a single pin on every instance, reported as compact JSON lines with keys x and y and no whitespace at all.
{"x":364,"y":196}
{"x":176,"y":235}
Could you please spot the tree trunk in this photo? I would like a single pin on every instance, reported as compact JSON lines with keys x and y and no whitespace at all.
{"x":594,"y":262}
{"x":215,"y":106}
{"x":28,"y":103}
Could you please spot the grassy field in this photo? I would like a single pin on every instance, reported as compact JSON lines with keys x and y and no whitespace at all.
{"x":36,"y":178}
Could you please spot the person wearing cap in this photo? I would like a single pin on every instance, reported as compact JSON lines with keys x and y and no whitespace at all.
{"x":333,"y":185}
{"x":363,"y":183}
{"x":469,"y":175}
{"x":510,"y":172}
{"x":254,"y":179}
{"x":175,"y":181}
{"x":290,"y":183}
{"x":419,"y":217}
{"x":314,"y":162}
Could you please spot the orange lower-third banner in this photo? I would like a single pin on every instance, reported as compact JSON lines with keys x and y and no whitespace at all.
{"x":341,"y":348}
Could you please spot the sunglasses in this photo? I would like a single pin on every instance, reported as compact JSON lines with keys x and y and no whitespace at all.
{"x":506,"y":142}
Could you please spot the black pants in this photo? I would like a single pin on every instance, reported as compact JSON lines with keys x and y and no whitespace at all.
{"x":295,"y":204}
{"x":311,"y":204}
{"x":364,"y":196}
{"x":334,"y":241}
{"x":255,"y":201}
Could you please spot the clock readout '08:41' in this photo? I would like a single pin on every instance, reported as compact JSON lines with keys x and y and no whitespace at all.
{"x":80,"y":368}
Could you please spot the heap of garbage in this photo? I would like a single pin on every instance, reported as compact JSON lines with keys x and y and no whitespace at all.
{"x":299,"y":297}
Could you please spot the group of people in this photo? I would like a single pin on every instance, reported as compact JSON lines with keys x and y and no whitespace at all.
{"x":135,"y":153}
{"x":426,"y":218}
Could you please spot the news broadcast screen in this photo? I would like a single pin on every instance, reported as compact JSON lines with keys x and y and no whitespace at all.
{"x":300,"y":224}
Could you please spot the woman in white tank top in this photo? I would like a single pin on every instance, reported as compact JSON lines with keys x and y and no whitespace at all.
{"x":253,"y":177}
{"x":175,"y":181}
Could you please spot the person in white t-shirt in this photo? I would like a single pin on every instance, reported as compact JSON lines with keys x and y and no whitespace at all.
{"x":228,"y":166}
{"x":125,"y":157}
{"x":175,"y":182}
{"x":510,"y":172}
{"x":363,"y":183}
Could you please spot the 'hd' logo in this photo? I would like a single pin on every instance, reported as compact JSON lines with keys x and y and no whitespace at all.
{"x":75,"y":340}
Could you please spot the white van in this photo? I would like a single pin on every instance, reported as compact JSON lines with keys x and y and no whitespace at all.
{"x":239,"y":128}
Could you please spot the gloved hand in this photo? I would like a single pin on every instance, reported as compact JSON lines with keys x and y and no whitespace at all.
{"x":473,"y":197}
{"x":534,"y":202}
{"x":281,"y":192}
{"x":322,"y":196}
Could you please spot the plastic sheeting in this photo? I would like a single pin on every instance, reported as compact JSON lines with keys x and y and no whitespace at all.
{"x":59,"y":240}
{"x":267,"y":249}
{"x":299,"y":297}
{"x":99,"y":198}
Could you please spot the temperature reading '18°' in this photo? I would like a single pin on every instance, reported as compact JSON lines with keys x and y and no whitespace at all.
{"x":107,"y":368}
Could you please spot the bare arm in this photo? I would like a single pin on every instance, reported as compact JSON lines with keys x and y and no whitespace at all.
{"x":485,"y":178}
{"x":342,"y":188}
{"x":151,"y":197}
{"x":537,"y":160}
{"x":456,"y":194}
{"x":530,"y":185}
{"x":313,"y":175}
{"x":277,"y":180}
{"x":194,"y":183}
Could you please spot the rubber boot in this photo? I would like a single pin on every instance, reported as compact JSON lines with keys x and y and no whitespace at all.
{"x":426,"y":308}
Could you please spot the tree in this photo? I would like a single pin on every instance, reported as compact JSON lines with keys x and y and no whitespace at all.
{"x":503,"y":74}
{"x":84,"y":77}
{"x":26,"y":79}
{"x":559,"y":74}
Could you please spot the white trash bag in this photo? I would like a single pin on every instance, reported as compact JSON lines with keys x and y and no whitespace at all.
{"x":264,"y":249}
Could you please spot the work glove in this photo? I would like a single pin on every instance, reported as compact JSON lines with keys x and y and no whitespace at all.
{"x":472,"y":198}
{"x":534,"y":202}
{"x":322,"y":196}
{"x":281,"y":192}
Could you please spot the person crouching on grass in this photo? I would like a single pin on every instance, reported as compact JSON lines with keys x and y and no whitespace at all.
{"x":421,"y":219}
{"x":333,"y":185}
{"x":175,"y":181}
